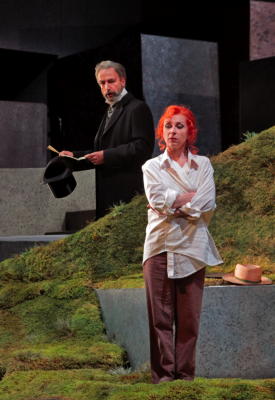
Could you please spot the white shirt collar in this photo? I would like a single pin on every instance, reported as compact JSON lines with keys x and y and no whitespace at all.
{"x":166,"y":161}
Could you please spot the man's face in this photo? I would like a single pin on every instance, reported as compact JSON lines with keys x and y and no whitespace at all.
{"x":111,"y":84}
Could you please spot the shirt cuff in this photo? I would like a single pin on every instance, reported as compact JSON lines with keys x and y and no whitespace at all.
{"x":170,"y":197}
{"x":193,"y":213}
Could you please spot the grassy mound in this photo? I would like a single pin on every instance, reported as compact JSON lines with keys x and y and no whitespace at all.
{"x":95,"y":384}
{"x":243,"y":226}
{"x":108,"y":252}
{"x":49,"y":315}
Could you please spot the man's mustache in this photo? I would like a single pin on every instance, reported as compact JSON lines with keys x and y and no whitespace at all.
{"x":111,"y":93}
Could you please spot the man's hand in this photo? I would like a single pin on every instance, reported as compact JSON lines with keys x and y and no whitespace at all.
{"x":97,"y":158}
{"x":66,"y":153}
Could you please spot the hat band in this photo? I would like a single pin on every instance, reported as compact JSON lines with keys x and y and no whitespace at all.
{"x":247,"y":281}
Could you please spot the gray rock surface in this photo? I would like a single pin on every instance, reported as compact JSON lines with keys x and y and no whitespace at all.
{"x":237,"y":329}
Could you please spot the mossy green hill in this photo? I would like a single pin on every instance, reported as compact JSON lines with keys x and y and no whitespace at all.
{"x":109,"y":251}
{"x":49,"y":316}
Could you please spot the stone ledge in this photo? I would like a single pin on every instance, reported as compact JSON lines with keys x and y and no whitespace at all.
{"x":237,"y":329}
{"x":28,"y":207}
{"x":12,"y":245}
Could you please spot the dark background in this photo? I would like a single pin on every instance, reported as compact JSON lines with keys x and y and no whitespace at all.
{"x":48,"y":50}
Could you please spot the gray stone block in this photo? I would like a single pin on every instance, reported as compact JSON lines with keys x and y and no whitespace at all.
{"x":125,"y":317}
{"x":23,"y":134}
{"x":237,"y":329}
{"x":28,"y":207}
{"x":262,"y":29}
{"x":12,"y":245}
{"x":181,"y":71}
{"x":237,"y":332}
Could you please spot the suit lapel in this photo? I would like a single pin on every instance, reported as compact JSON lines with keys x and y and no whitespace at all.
{"x":116,"y":114}
{"x":99,"y":132}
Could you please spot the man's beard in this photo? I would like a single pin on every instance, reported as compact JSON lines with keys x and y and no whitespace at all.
{"x":113,"y":98}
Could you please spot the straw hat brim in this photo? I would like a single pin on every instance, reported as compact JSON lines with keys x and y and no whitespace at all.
{"x":231,"y":278}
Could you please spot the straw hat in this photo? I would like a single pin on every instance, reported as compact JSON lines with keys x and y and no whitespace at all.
{"x":247,"y":274}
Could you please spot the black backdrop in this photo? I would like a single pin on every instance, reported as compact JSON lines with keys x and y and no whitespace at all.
{"x":75,"y":102}
{"x":51,"y":30}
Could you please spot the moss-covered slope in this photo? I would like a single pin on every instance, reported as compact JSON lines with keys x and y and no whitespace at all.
{"x":111,"y":248}
{"x":99,"y":385}
{"x":49,"y":316}
{"x":243,"y":226}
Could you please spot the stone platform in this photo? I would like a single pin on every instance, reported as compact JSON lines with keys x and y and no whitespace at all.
{"x":28,"y":207}
{"x":237,"y":329}
{"x":12,"y":245}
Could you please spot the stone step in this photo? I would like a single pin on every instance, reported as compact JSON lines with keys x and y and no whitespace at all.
{"x":12,"y":245}
{"x":76,"y":220}
{"x":236,"y":329}
{"x":28,"y":207}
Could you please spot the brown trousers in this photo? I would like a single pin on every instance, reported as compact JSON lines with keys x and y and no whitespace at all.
{"x":172,"y":303}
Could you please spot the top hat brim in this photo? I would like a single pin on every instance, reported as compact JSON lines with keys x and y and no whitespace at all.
{"x":231,"y":278}
{"x":59,"y":177}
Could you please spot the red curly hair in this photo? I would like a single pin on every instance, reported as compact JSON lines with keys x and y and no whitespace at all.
{"x":169,"y":112}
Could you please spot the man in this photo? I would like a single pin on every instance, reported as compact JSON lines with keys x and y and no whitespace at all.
{"x":124,"y":141}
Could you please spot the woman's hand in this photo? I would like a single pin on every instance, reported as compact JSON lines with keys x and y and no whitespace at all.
{"x":180,"y":214}
{"x":157,"y":212}
{"x":182,"y":199}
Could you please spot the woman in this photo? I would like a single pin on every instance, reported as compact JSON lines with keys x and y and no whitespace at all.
{"x":180,"y":189}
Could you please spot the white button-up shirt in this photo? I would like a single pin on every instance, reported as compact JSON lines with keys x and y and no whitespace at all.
{"x":187,"y":241}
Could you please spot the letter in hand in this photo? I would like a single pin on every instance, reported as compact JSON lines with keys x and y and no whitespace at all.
{"x":66,"y":153}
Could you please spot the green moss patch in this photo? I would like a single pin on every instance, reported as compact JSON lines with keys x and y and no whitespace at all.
{"x":68,"y":354}
{"x":52,"y":338}
{"x":110,"y":249}
{"x":87,"y":384}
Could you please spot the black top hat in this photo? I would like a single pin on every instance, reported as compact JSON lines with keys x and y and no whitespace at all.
{"x":59,"y":177}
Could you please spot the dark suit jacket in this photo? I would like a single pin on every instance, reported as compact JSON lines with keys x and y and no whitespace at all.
{"x":127,"y":141}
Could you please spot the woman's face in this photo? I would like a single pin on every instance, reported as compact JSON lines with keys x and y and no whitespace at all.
{"x":175,"y":133}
